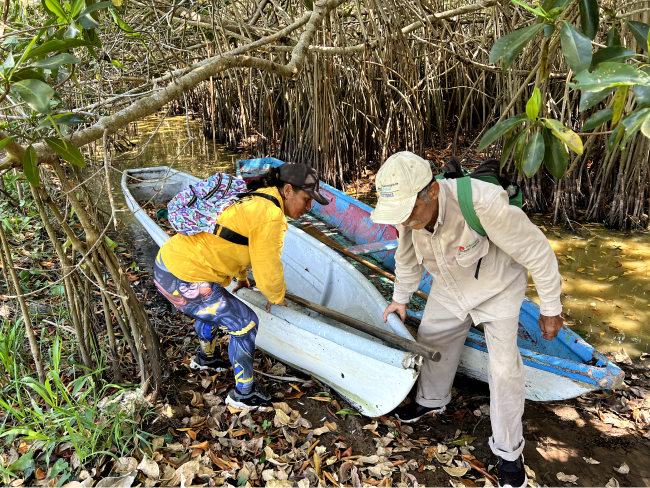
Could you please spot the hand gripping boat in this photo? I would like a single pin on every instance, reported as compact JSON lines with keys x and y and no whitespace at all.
{"x":563,"y":368}
{"x":372,"y":375}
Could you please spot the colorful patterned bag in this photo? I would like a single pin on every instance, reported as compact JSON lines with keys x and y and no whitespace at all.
{"x":196,"y":208}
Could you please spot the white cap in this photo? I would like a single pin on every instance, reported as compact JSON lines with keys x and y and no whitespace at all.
{"x":398,"y":182}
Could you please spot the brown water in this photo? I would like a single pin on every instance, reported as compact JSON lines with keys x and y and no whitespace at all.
{"x":606,"y":285}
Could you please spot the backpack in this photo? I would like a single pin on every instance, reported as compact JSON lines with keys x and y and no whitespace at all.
{"x":487,"y":171}
{"x":196,"y":208}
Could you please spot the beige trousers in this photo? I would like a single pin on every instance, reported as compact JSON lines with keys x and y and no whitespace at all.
{"x":444,"y":331}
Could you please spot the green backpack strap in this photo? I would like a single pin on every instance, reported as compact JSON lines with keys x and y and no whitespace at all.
{"x":467,"y":205}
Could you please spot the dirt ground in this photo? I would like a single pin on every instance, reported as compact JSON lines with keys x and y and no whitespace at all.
{"x":561,"y":437}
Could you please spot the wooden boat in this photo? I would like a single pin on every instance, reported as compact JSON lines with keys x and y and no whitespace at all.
{"x":563,"y":368}
{"x":372,"y":375}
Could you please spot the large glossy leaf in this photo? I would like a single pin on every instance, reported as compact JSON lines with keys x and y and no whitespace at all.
{"x":94,"y":7}
{"x":57,"y":45}
{"x":640,"y":32}
{"x":591,"y":99}
{"x":619,"y":103}
{"x":77,"y":5}
{"x":30,"y":166}
{"x":533,"y":154}
{"x":613,"y":39}
{"x":534,"y":104}
{"x":509,"y":146}
{"x":87,"y":22}
{"x":645,"y":127}
{"x":567,"y":136}
{"x":611,"y":54}
{"x":519,"y":151}
{"x":26,"y":74}
{"x":533,"y":10}
{"x":556,"y":157}
{"x":35,"y":93}
{"x":597,"y":119}
{"x":55,"y":7}
{"x":63,"y":119}
{"x":66,"y":150}
{"x":72,"y":31}
{"x":500,"y":129}
{"x":510,"y":46}
{"x":56,"y":61}
{"x":576,"y":48}
{"x":610,"y":75}
{"x":642,"y":93}
{"x":633,"y":123}
{"x":615,"y":137}
{"x":589,"y":18}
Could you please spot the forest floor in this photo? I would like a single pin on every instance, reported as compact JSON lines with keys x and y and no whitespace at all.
{"x":594,"y":440}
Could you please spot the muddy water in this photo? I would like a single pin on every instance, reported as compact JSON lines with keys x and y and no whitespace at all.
{"x":606,"y":285}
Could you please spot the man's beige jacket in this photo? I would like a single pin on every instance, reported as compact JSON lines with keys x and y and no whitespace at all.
{"x":451,"y":254}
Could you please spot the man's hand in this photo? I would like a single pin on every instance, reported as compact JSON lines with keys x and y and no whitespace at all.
{"x":241,"y":284}
{"x":398,"y":308}
{"x":550,"y":326}
{"x":283,"y":303}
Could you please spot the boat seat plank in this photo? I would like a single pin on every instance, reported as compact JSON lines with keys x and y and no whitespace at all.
{"x":374,"y":247}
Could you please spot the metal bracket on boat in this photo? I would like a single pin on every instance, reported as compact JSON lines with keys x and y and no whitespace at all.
{"x":412,"y":361}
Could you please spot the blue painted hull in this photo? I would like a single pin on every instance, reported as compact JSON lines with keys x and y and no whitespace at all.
{"x":568,"y":362}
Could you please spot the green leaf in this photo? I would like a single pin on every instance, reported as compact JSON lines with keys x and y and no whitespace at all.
{"x":510,"y":46}
{"x":640,"y":32}
{"x":63,"y":119}
{"x":556,"y":157}
{"x":72,"y":32}
{"x":77,"y":5}
{"x":567,"y":136}
{"x":519,"y":151}
{"x":66,"y":150}
{"x":347,"y":411}
{"x":26,"y":74}
{"x":121,"y":24}
{"x":509,"y":146}
{"x":615,"y":137}
{"x":6,"y":141}
{"x":55,"y":7}
{"x":642,"y":93}
{"x":589,"y":18}
{"x":309,"y":4}
{"x":575,"y":47}
{"x":611,"y":54}
{"x":597,"y":119}
{"x":35,"y":93}
{"x":591,"y":99}
{"x":645,"y":128}
{"x":533,"y":154}
{"x":534,"y":104}
{"x":23,"y":462}
{"x":112,"y":245}
{"x":500,"y":129}
{"x":463,"y":440}
{"x":619,"y":103}
{"x":55,"y":61}
{"x":58,"y":290}
{"x":610,"y":75}
{"x":536,"y":11}
{"x":87,"y":22}
{"x":30,"y":166}
{"x":613,"y":39}
{"x":94,"y":7}
{"x":633,"y":123}
{"x":57,"y":45}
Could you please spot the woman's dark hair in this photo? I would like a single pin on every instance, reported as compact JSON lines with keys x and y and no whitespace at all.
{"x":272,"y":178}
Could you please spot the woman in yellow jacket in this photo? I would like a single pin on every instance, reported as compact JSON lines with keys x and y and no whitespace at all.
{"x":192,"y":271}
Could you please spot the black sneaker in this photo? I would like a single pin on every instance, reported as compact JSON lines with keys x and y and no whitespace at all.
{"x":215,"y":365}
{"x":414,"y":412}
{"x":512,"y":474}
{"x":257,"y":399}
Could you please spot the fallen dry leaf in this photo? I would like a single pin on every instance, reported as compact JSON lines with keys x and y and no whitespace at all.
{"x":570,"y":478}
{"x":612,"y":483}
{"x":624,"y":469}
{"x":589,"y":460}
{"x":457,"y":472}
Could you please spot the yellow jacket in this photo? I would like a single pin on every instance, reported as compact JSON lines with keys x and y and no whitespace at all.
{"x":206,"y":257}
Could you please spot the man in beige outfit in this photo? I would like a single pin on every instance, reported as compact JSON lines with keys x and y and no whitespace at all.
{"x":477,"y":279}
